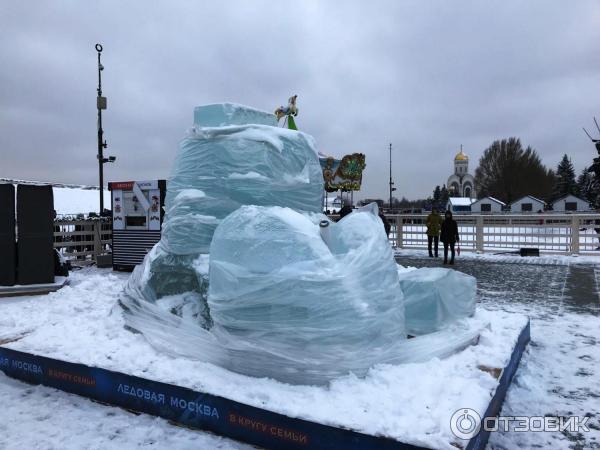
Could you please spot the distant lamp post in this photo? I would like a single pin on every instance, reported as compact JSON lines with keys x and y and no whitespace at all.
{"x":392,"y":188}
{"x":101,"y":104}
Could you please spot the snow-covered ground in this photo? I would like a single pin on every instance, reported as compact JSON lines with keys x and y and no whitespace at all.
{"x":37,"y":417}
{"x":557,"y":375}
{"x":559,"y":372}
{"x":388,"y":401}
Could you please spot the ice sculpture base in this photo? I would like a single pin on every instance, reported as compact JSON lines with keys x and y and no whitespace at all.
{"x":409,"y":405}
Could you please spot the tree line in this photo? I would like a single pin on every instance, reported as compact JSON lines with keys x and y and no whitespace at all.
{"x":508,"y":172}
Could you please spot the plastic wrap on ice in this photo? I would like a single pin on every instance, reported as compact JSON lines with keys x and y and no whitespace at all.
{"x":275,"y":283}
{"x":436,"y":297}
{"x":219,"y":169}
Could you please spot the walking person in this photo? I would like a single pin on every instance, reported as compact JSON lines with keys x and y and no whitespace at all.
{"x":434,"y":224}
{"x":386,"y":224}
{"x":449,"y":236}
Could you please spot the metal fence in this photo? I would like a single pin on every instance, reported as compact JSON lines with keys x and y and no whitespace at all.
{"x":82,"y":239}
{"x":551,"y":233}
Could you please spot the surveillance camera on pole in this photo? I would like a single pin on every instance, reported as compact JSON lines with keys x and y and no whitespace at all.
{"x":101,"y":104}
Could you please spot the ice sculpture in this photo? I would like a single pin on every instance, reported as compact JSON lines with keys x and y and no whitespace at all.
{"x":285,"y":292}
{"x":436,"y":297}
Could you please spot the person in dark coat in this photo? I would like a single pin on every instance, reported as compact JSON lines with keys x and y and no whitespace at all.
{"x":344,"y":211}
{"x":386,"y":224}
{"x":449,"y":236}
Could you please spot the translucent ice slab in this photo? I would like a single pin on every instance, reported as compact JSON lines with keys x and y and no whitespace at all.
{"x":223,"y":114}
{"x":436,"y":297}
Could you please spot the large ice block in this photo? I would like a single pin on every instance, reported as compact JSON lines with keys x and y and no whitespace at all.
{"x":330,"y":302}
{"x":436,"y":297}
{"x":224,"y":114}
{"x":217,"y":170}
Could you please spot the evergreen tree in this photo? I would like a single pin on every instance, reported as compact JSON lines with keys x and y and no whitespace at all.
{"x":437,"y":195}
{"x":444,"y":195}
{"x":587,"y":186}
{"x":565,"y":183}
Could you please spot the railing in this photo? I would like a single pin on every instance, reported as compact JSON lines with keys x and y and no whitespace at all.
{"x":551,"y":233}
{"x":82,"y":239}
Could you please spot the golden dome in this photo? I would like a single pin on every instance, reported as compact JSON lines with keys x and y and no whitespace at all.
{"x":460,"y":156}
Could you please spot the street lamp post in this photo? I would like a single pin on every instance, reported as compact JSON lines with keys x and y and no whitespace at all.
{"x":392,"y":188}
{"x":101,"y":104}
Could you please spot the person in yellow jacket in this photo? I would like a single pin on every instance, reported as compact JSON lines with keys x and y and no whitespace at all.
{"x":434,"y":226}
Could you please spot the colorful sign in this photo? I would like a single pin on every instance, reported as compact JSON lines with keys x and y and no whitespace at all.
{"x":344,"y":174}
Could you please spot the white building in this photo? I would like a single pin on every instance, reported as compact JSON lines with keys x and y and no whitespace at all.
{"x":487,"y":205}
{"x":459,"y":204}
{"x":527,"y":204}
{"x":570,"y":203}
{"x":461,"y":183}
{"x":333,"y":204}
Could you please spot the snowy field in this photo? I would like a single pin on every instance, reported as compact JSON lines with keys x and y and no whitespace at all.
{"x":557,"y":376}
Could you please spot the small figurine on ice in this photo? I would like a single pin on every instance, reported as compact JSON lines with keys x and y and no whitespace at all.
{"x":288,"y":112}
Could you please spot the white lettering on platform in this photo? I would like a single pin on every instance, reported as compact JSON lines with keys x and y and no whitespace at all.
{"x":143,"y":394}
{"x":198,"y":408}
{"x":27,"y":367}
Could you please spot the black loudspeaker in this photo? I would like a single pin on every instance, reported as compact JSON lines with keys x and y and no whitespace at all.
{"x":35,"y":231}
{"x":8,"y":257}
{"x":529,"y":252}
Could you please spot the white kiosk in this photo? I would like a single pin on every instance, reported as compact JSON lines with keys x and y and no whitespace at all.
{"x":137,"y":213}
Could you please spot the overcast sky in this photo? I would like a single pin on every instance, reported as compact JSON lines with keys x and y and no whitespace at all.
{"x":426,"y":76}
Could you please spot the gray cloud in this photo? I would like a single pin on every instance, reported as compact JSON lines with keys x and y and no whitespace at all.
{"x":426,"y":76}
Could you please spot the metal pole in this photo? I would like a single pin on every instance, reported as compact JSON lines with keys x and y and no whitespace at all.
{"x":391,"y":182}
{"x":101,"y":144}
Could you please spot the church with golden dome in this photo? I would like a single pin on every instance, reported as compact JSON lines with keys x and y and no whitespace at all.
{"x":461,"y":183}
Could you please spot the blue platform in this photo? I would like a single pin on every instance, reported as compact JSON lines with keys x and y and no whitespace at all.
{"x":217,"y":414}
